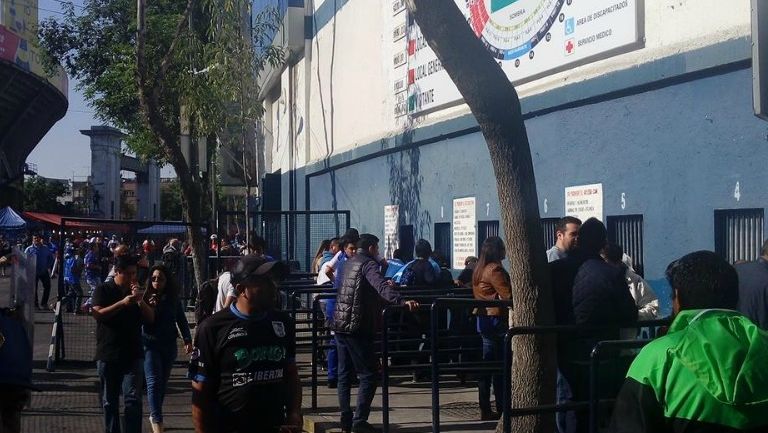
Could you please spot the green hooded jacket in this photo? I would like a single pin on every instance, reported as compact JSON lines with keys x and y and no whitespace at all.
{"x":708,"y":374}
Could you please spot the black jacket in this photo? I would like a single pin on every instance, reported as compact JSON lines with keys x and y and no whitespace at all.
{"x":362,"y":292}
{"x":753,"y":291}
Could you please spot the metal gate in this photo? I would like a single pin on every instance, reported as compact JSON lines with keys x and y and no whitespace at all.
{"x":74,"y":333}
{"x":627,"y":231}
{"x":292,"y":236}
{"x":739,"y":234}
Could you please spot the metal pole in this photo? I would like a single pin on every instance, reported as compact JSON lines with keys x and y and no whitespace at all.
{"x":314,"y":353}
{"x":507,"y":378}
{"x":593,"y":371}
{"x":435,"y":309}
{"x":385,"y":372}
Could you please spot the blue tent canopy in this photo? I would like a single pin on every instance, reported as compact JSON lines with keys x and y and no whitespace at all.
{"x":10,"y":220}
{"x":164,"y":229}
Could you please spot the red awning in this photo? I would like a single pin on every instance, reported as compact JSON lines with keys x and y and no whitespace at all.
{"x":55,"y":220}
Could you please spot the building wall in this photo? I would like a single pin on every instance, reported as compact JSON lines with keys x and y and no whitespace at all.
{"x":667,"y":128}
{"x":675,"y":154}
{"x":351,"y":72}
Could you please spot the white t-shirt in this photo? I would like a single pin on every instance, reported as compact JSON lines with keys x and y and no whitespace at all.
{"x":226,"y":289}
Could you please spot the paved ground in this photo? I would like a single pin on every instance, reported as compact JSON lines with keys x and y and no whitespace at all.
{"x":69,"y":402}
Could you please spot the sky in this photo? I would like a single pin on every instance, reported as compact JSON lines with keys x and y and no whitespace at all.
{"x":64,"y":152}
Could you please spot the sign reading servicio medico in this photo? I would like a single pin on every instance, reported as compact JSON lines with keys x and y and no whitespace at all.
{"x":464,"y":230}
{"x":529,"y":39}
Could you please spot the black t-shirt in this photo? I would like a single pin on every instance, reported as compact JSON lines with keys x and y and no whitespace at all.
{"x":118,"y":338}
{"x":244,"y":358}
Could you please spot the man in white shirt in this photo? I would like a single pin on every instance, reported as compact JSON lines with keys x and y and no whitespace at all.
{"x":226,"y":293}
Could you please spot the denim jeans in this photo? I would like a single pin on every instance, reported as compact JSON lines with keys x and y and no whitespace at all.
{"x":326,"y":306}
{"x":158,"y":363}
{"x":566,"y":421}
{"x":356,"y":354}
{"x":118,"y":377}
{"x":492,"y":351}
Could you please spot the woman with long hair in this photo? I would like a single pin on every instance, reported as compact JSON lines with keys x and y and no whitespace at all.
{"x":159,"y":339}
{"x":325,"y":245}
{"x":490,"y":281}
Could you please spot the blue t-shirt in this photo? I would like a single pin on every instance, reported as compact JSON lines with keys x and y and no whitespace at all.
{"x":70,"y":276}
{"x":92,"y":259}
{"x":44,"y":258}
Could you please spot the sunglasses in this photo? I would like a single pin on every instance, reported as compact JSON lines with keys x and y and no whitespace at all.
{"x":156,"y":279}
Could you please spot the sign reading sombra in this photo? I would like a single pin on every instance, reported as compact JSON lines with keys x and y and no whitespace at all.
{"x":529,"y":39}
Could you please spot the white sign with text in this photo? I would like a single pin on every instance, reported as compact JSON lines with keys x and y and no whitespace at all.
{"x":464,"y":230}
{"x":584,"y":201}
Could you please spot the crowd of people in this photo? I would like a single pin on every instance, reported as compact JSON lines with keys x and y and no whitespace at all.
{"x":704,"y":375}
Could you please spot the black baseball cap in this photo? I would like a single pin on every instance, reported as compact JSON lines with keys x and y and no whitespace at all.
{"x":252,"y":267}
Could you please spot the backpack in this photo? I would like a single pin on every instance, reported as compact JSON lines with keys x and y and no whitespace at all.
{"x":206,"y":299}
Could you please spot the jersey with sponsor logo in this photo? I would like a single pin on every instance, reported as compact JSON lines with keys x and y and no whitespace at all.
{"x":244,"y":358}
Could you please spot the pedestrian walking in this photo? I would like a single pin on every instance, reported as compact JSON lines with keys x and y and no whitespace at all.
{"x":43,"y":267}
{"x":159,"y":339}
{"x":244,"y":373}
{"x":490,"y":281}
{"x":120,"y":310}
{"x":92,"y":264}
{"x":358,"y":303}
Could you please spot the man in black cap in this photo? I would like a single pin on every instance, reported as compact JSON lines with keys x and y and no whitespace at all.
{"x":244,"y":367}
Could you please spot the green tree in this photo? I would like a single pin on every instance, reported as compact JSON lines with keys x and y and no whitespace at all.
{"x":170,"y":201}
{"x":40,"y":195}
{"x":152,"y":69}
{"x":494,"y":102}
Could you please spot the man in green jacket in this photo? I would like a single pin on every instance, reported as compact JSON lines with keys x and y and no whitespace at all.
{"x":708,"y":374}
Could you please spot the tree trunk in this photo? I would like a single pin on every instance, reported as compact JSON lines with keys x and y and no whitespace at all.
{"x":495,"y":104}
{"x":149,"y":98}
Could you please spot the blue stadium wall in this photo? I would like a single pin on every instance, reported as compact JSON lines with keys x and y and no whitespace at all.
{"x":674,"y":146}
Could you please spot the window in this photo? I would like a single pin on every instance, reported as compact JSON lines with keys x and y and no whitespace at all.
{"x":739,"y":234}
{"x":406,"y":242}
{"x":627,"y":231}
{"x":442,"y":244}
{"x":486,"y":229}
{"x":548,"y":225}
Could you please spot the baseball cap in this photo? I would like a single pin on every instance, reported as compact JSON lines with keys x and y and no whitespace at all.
{"x":254,"y":267}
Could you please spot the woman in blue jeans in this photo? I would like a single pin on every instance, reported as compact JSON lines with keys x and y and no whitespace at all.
{"x":491,"y":282}
{"x":159,"y":339}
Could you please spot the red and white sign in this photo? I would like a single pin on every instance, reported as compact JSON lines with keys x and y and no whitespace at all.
{"x":584,"y":201}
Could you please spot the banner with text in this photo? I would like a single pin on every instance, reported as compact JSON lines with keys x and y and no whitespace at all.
{"x":391,"y":215}
{"x":585,"y":201}
{"x":529,"y":39}
{"x":464,"y":230}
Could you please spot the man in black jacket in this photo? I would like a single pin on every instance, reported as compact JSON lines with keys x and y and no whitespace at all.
{"x":362,"y":290}
{"x":753,"y":288}
{"x":589,"y":291}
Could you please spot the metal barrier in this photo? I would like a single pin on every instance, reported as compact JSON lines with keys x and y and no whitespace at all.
{"x":292,"y":236}
{"x":75,"y":333}
{"x":508,"y":411}
{"x":434,"y":309}
{"x":594,"y":363}
{"x":315,"y":344}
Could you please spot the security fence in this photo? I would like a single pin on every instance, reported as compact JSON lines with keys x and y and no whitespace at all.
{"x":155,"y":242}
{"x":292,"y":236}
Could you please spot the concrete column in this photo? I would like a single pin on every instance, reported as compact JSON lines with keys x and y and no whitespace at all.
{"x":105,"y":170}
{"x":148,"y":193}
